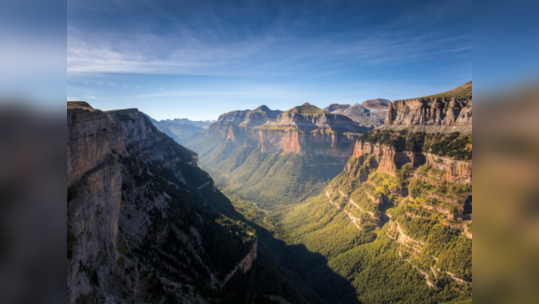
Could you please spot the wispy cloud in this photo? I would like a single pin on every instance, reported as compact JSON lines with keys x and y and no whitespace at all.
{"x":209,"y":45}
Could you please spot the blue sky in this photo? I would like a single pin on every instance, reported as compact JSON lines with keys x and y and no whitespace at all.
{"x":198,"y":59}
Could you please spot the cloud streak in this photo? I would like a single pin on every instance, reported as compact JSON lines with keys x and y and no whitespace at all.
{"x":214,"y":46}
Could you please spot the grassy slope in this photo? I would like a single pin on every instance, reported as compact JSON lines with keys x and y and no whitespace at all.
{"x":373,"y":268}
{"x":464,"y":90}
{"x":267,"y":178}
{"x":307,"y":109}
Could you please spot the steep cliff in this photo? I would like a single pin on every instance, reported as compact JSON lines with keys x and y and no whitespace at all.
{"x":307,"y":130}
{"x":446,"y":112}
{"x":237,"y":125}
{"x":144,"y":223}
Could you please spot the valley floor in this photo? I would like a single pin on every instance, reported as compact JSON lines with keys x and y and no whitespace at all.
{"x":346,"y":255}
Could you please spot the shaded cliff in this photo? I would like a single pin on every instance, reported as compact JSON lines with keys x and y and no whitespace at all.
{"x":144,"y":223}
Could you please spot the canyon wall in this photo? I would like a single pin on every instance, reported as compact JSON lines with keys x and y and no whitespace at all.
{"x":447,"y":111}
{"x":302,"y":130}
{"x":142,"y":214}
{"x":386,"y":159}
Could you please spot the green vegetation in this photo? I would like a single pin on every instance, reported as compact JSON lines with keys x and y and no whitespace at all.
{"x":368,"y":259}
{"x":306,"y":109}
{"x":72,"y":193}
{"x":464,"y":90}
{"x":277,"y":128}
{"x":453,"y":145}
{"x":338,"y":234}
{"x":270,"y":179}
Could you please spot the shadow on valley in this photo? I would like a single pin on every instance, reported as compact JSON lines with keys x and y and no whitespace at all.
{"x":308,"y":272}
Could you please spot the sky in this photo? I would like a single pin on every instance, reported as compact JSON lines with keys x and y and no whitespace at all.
{"x":199,"y":59}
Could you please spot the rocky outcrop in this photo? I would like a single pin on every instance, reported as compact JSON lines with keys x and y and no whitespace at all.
{"x":317,"y":142}
{"x":447,"y":111}
{"x":386,"y":159}
{"x":308,"y":130}
{"x":237,"y":125}
{"x":245,"y":264}
{"x":303,"y":130}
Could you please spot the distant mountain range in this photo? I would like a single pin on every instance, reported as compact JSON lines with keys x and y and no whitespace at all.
{"x":180,"y":128}
{"x":184,"y":121}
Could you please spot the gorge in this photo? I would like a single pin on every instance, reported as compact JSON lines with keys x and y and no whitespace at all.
{"x":307,"y":205}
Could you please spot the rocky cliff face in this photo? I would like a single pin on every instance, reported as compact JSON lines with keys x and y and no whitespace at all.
{"x":308,"y":130}
{"x":143,"y":219}
{"x":303,"y":130}
{"x":237,"y":126}
{"x":386,"y":159}
{"x":421,"y":192}
{"x":447,"y":111}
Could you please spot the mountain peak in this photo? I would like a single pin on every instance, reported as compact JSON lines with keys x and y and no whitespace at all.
{"x":262,"y":108}
{"x":378,"y":103}
{"x":79,"y":104}
{"x":335,"y":106}
{"x":306,"y":109}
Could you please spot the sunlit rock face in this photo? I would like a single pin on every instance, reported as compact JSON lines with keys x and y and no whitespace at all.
{"x":386,"y":160}
{"x":303,"y":130}
{"x":447,"y":111}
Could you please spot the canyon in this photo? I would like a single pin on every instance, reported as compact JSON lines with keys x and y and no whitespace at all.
{"x":318,"y":207}
{"x":144,"y":223}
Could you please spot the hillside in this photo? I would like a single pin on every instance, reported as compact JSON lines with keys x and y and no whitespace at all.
{"x":279,"y":157}
{"x":464,"y":90}
{"x":146,"y":225}
{"x":396,"y":223}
